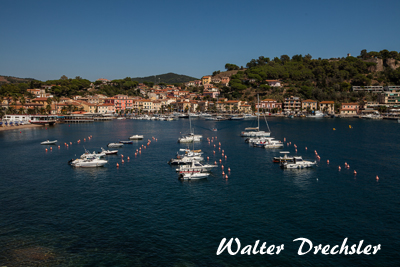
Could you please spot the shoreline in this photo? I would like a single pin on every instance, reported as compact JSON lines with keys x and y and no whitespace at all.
{"x":8,"y":128}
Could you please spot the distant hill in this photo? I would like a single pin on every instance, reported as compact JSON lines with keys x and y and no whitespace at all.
{"x":168,"y":78}
{"x":11,"y":79}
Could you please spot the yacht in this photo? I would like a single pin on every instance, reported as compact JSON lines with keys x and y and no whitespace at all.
{"x":115,"y":145}
{"x":109,"y":152}
{"x":88,"y":155}
{"x":126,"y":142}
{"x":236,"y":117}
{"x":297,"y":163}
{"x":194,"y":176}
{"x":317,"y":114}
{"x":282,"y":159}
{"x":271,"y":143}
{"x":185,"y":159}
{"x":255,"y":131}
{"x":136,"y":137}
{"x":195,"y":167}
{"x":190,"y":137}
{"x":48,"y":142}
{"x":88,"y":163}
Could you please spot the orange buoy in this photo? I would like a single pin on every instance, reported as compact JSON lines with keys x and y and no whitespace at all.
{"x":58,"y":147}
{"x":345,"y":164}
{"x":144,"y":147}
{"x":340,"y":168}
{"x":123,"y":161}
{"x":222,"y":166}
{"x":46,"y":149}
{"x":295,"y":150}
{"x":135,"y":154}
{"x":69,"y":125}
{"x":70,"y":143}
{"x":219,"y":148}
{"x":214,"y":145}
{"x":223,"y":173}
{"x":327,"y":161}
{"x":128,"y":158}
{"x":122,"y":156}
{"x":51,"y":148}
{"x":216,"y":137}
{"x":67,"y":145}
{"x":355,"y":173}
{"x":84,"y":139}
{"x":229,"y":169}
{"x":117,"y":165}
{"x":219,"y":143}
{"x":348,"y":166}
{"x":377,"y":178}
{"x":220,"y":160}
{"x":213,"y":151}
{"x":215,"y":163}
{"x":208,"y":158}
{"x":140,"y":152}
{"x":156,"y":139}
{"x":226,"y":176}
{"x":226,"y":157}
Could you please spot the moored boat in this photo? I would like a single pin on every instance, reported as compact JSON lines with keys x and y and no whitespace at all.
{"x":297,"y":163}
{"x":48,"y":142}
{"x":115,"y":145}
{"x":136,"y":137}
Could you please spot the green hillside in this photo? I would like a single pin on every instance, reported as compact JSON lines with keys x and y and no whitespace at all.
{"x":168,"y":78}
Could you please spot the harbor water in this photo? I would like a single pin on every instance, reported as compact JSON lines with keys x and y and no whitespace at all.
{"x":140,"y":214}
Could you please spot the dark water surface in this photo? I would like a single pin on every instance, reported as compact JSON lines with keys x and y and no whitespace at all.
{"x":140,"y":214}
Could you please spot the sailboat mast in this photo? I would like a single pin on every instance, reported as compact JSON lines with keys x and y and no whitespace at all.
{"x":258,"y":112}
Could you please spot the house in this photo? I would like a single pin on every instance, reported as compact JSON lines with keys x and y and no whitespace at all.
{"x":349,"y":109}
{"x":309,"y":105}
{"x":268,"y":104}
{"x":292,"y":104}
{"x":245,"y":108}
{"x":206,"y":79}
{"x":327,"y":106}
{"x":225,"y":81}
{"x":274,"y":83}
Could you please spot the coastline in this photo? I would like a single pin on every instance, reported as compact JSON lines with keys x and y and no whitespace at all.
{"x":19,"y":127}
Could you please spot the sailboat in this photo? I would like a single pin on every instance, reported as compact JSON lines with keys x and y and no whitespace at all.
{"x":190,"y":137}
{"x":255,"y":131}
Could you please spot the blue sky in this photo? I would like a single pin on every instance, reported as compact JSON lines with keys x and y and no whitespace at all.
{"x":116,"y":39}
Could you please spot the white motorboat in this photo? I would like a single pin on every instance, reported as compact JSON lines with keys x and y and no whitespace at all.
{"x":195,"y":166}
{"x":297,"y":163}
{"x":248,"y":116}
{"x":136,"y":137}
{"x":121,"y":118}
{"x":88,"y":163}
{"x":255,"y":131}
{"x":317,"y":114}
{"x":191,"y":152}
{"x":194,"y":176}
{"x":271,"y":143}
{"x":88,"y":155}
{"x":109,"y":152}
{"x":282,"y":159}
{"x":180,"y":160}
{"x":115,"y":145}
{"x":48,"y":142}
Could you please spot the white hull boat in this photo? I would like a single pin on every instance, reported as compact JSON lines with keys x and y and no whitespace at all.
{"x":297,"y":163}
{"x":109,"y":152}
{"x":115,"y":145}
{"x":88,"y":163}
{"x":48,"y":142}
{"x":194,"y":176}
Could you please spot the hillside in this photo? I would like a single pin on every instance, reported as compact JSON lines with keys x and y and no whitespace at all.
{"x":168,"y":78}
{"x":11,"y":79}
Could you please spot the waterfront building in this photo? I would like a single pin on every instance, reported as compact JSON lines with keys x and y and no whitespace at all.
{"x":349,"y":109}
{"x":390,"y":97}
{"x":212,"y":92}
{"x":245,"y":108}
{"x":309,"y":105}
{"x":327,"y":106}
{"x":292,"y":104}
{"x":268,"y":104}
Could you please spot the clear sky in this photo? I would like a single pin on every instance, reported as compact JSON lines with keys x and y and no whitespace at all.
{"x":44,"y":39}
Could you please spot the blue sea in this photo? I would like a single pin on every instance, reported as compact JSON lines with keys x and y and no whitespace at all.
{"x":140,"y":214}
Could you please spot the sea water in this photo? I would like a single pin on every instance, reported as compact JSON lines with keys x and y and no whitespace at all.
{"x":140,"y":214}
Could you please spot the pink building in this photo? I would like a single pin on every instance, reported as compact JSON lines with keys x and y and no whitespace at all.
{"x":269,"y":104}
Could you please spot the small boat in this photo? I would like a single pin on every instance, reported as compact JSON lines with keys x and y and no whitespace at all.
{"x":115,"y":145}
{"x":109,"y":152}
{"x":88,"y":155}
{"x":194,"y":176}
{"x":48,"y":142}
{"x":297,"y":163}
{"x":88,"y":163}
{"x":214,"y":129}
{"x":136,"y":137}
{"x":121,"y":118}
{"x":282,"y":159}
{"x":126,"y":142}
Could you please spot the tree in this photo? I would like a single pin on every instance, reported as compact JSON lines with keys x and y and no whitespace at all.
{"x":229,"y":66}
{"x":64,"y":77}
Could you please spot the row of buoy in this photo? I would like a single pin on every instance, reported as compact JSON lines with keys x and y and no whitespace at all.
{"x":138,"y":150}
{"x":327,"y":161}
